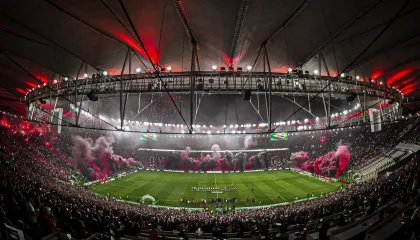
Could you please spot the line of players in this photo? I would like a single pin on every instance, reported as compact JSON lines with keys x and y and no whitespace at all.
{"x":208,"y":189}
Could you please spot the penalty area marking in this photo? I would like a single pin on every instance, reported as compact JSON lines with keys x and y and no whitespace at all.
{"x":151,"y":180}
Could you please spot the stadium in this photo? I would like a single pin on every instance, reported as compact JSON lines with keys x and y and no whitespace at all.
{"x":237,"y":119}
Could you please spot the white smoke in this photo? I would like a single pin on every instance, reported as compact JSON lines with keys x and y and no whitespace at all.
{"x":216,"y":151}
{"x":184,"y":154}
{"x":248,"y":141}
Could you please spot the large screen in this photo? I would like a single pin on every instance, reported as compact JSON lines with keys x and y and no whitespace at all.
{"x":148,"y":137}
{"x":277,"y":136}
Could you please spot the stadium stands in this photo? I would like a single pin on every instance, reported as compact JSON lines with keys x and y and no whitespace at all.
{"x":37,"y":198}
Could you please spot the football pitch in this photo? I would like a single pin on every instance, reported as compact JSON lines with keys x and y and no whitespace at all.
{"x":169,"y":188}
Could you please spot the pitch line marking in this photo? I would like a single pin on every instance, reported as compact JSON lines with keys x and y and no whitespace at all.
{"x":215,"y":183}
{"x":147,"y":182}
{"x":129,"y":177}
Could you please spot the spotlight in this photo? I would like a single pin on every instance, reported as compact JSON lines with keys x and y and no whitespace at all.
{"x":249,"y":68}
{"x":45,"y":84}
{"x":208,"y":132}
{"x":357,"y":77}
{"x":66,"y":78}
{"x":214,"y":67}
{"x":342,"y":75}
{"x":85,"y":75}
{"x":105,"y":73}
{"x":316,"y":72}
{"x":138,"y":70}
{"x":169,"y":68}
{"x":38,"y":86}
{"x":373,"y":80}
{"x":290,"y":70}
{"x":55,"y":81}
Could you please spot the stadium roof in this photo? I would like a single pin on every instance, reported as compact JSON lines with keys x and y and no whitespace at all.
{"x":45,"y":39}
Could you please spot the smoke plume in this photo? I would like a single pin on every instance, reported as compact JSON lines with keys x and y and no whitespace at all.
{"x":332,"y":164}
{"x":98,"y":160}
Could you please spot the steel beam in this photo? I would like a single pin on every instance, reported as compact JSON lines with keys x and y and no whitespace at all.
{"x":270,"y":83}
{"x":192,"y":84}
{"x":126,"y":95}
{"x":95,"y":29}
{"x":238,"y":27}
{"x":121,"y":90}
{"x":75,"y":89}
{"x":343,"y":29}
{"x":151,"y":61}
{"x":40,"y":82}
{"x":44,"y":37}
{"x":329,"y":89}
{"x":286,"y":22}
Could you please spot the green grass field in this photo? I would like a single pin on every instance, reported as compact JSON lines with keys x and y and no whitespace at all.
{"x":269,"y":187}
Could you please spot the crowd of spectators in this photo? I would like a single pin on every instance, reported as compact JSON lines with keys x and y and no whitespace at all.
{"x":36,"y":194}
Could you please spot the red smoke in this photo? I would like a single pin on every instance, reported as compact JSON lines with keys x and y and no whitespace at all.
{"x":331,"y":164}
{"x":98,"y":156}
{"x":298,"y":158}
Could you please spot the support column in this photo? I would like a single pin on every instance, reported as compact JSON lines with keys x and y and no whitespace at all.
{"x":75,"y":89}
{"x":322,"y":85}
{"x":270,"y":86}
{"x":192,"y":82}
{"x":329,"y":90}
{"x":50,"y":100}
{"x":121,"y":90}
{"x":126,"y":95}
{"x":364,"y":103}
{"x":329,"y":102}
